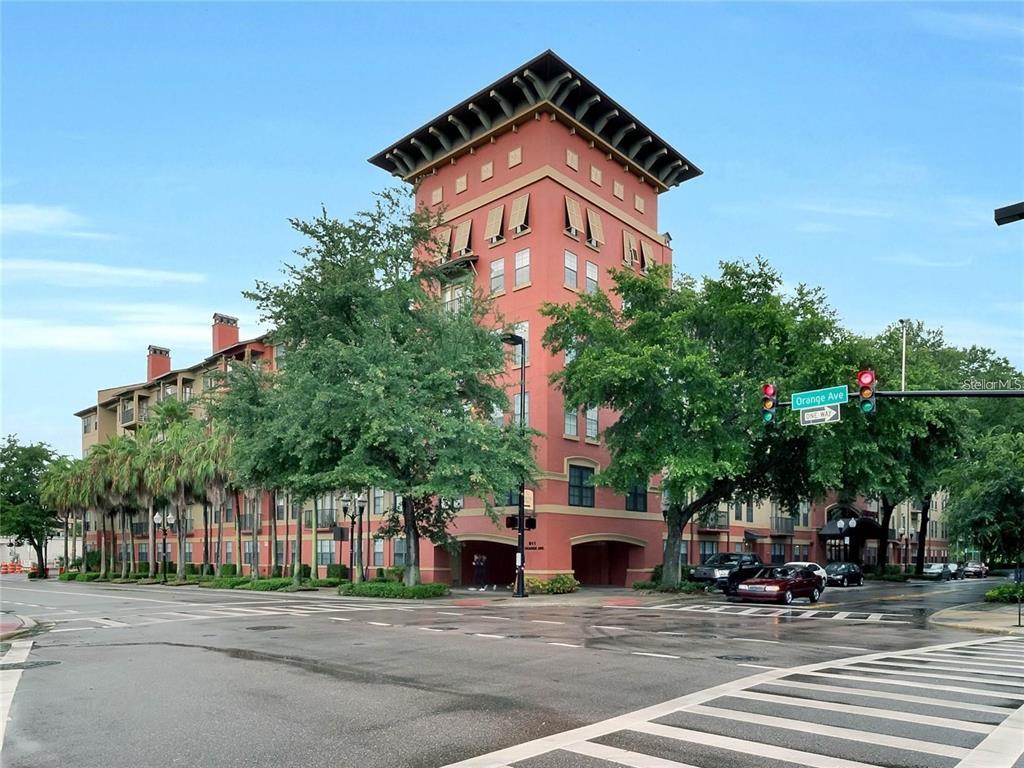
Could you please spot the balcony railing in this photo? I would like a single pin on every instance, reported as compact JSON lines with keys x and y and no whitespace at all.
{"x":127,"y":415}
{"x":246,"y":522}
{"x":782,"y":526}
{"x":325,"y":521}
{"x":713,"y":521}
{"x":140,"y":529}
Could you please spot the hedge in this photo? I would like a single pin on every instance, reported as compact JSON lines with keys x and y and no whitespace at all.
{"x":225,"y":582}
{"x":685,"y":587}
{"x":561,"y":584}
{"x":328,"y":582}
{"x":1005,"y":593}
{"x":228,"y":569}
{"x":68,"y":576}
{"x":87,"y":577}
{"x":337,"y":571}
{"x":265,"y":585}
{"x":393,"y":589}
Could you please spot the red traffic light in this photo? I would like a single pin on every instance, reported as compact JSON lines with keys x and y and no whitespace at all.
{"x":768,"y":390}
{"x":866,"y":378}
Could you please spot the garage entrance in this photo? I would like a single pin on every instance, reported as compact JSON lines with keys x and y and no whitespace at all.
{"x":501,"y":563}
{"x":604,"y":562}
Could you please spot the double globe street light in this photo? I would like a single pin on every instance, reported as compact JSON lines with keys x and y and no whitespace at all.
{"x":164,"y":520}
{"x":846,"y":526}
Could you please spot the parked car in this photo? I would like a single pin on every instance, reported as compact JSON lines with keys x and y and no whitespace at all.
{"x":975,"y":569}
{"x":956,"y":571}
{"x":943,"y":571}
{"x":781,"y":584}
{"x":717,"y":568}
{"x":844,"y":574}
{"x":814,"y":568}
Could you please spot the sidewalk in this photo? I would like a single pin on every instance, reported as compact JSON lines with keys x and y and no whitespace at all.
{"x":584,"y":597}
{"x":993,"y":618}
{"x":11,"y":625}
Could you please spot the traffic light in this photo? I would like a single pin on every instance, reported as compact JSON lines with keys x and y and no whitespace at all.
{"x":511,"y":521}
{"x":866,"y":391}
{"x":531,"y":523}
{"x":769,"y":402}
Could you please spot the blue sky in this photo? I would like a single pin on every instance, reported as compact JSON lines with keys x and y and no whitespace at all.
{"x":152,"y":154}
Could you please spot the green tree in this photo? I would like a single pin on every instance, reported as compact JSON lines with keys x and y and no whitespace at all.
{"x":57,"y":492}
{"x":23,"y":515}
{"x":211,"y":462}
{"x":987,"y":496}
{"x":386,"y":385}
{"x":682,"y":364}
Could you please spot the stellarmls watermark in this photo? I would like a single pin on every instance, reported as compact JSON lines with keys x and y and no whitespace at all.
{"x":1010,"y":382}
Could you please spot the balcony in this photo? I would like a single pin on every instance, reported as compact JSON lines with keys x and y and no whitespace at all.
{"x":326,"y":520}
{"x":127,"y":415}
{"x":140,"y":529}
{"x":246,"y":522}
{"x":715,"y":520}
{"x":782,"y":525}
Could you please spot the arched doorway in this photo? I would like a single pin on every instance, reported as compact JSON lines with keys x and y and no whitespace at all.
{"x":849,"y":535}
{"x":500,"y":554}
{"x":603,"y":559}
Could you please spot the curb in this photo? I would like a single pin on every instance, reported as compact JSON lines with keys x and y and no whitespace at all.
{"x":936,"y":619}
{"x":26,"y":625}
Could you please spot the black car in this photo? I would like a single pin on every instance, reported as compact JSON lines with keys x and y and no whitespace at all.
{"x":717,"y":569}
{"x":845,"y":574}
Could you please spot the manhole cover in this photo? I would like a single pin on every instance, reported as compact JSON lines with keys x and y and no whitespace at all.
{"x":739,"y":658}
{"x":267,"y":627}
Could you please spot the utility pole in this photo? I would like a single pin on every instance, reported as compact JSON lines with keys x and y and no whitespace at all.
{"x":903,"y":356}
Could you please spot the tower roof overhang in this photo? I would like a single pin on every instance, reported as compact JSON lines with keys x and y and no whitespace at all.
{"x":544,"y":84}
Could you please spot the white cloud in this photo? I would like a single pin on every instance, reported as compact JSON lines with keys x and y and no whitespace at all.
{"x":857,"y":211}
{"x":75,"y":274}
{"x":914,"y":260}
{"x":30,"y":219}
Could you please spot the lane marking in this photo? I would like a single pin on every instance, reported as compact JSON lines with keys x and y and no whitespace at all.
{"x":757,"y":666}
{"x":677,"y":634}
{"x":853,"y":709}
{"x":958,"y":663}
{"x":114,"y":596}
{"x":9,"y":679}
{"x":1001,"y":748}
{"x":846,"y":692}
{"x":431,"y":629}
{"x":449,"y":613}
{"x":545,"y":621}
{"x":755,"y":640}
{"x":566,"y":645}
{"x":820,"y":729}
{"x":492,"y":637}
{"x":73,"y":629}
{"x":496,"y":618}
{"x":758,"y":749}
{"x":622,"y":756}
{"x":847,"y":648}
{"x":378,"y":624}
{"x":655,"y":655}
{"x":338,"y":618}
{"x":109,"y":623}
{"x":605,"y":626}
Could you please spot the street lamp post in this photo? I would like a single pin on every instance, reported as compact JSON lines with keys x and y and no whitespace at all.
{"x":360,"y":509}
{"x":348,"y":511}
{"x":846,"y":527}
{"x":164,"y":520}
{"x":514,"y":339}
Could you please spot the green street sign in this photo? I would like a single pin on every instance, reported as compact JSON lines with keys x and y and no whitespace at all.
{"x":816,"y":398}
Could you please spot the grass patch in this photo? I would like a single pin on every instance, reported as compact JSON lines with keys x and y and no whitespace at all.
{"x":297,"y":588}
{"x":87,"y":577}
{"x":226,"y":582}
{"x":394,"y":589}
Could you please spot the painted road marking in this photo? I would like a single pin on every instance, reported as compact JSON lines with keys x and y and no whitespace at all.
{"x":492,"y":637}
{"x":623,"y":756}
{"x":449,"y":613}
{"x":431,"y":629}
{"x":655,"y":655}
{"x":756,"y":666}
{"x":845,"y":692}
{"x":338,"y":618}
{"x":605,"y":626}
{"x":545,"y":621}
{"x":566,"y":645}
{"x":755,"y":640}
{"x":378,"y":624}
{"x":847,"y":648}
{"x":9,"y":679}
{"x":110,"y":623}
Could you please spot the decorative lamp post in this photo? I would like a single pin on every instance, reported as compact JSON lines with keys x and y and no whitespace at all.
{"x":360,"y":509}
{"x":164,"y":520}
{"x":516,"y":340}
{"x":347,"y":510}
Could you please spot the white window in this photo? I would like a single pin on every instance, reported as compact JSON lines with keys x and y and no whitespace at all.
{"x":247,"y":552}
{"x":454,"y":296}
{"x":591,"y":286}
{"x":399,"y":551}
{"x":592,"y":423}
{"x":378,"y":500}
{"x":325,"y":552}
{"x":572,"y":423}
{"x":523,"y":267}
{"x":228,"y":554}
{"x":571,"y":270}
{"x":521,"y":329}
{"x":519,"y":402}
{"x":378,"y":552}
{"x":497,"y":275}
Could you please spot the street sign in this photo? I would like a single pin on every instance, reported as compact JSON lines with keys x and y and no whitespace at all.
{"x":816,"y":398}
{"x":827,"y":414}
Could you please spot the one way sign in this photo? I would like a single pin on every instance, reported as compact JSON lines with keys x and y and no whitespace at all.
{"x":826,"y":414}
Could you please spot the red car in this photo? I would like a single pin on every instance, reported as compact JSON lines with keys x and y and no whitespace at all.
{"x":780,"y":584}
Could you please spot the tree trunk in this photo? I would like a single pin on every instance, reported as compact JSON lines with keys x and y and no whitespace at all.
{"x":74,"y":540}
{"x":297,"y":560}
{"x":254,"y":558}
{"x":182,"y":508}
{"x":922,"y":535}
{"x":238,"y":537}
{"x":134,"y":563}
{"x":152,"y":541}
{"x":412,"y":542}
{"x":888,"y":506}
{"x":125,"y":560}
{"x":67,"y":519}
{"x":113,"y":546}
{"x":206,"y":537}
{"x":287,"y":522}
{"x":220,"y":537}
{"x":676,"y":522}
{"x":103,"y":545}
{"x":37,"y":545}
{"x":274,"y":565}
{"x":314,"y":557}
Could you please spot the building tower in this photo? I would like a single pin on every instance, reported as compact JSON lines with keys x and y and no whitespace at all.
{"x":546,"y":183}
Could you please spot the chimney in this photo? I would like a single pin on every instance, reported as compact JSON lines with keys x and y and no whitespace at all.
{"x":158,"y":362}
{"x":225,"y":331}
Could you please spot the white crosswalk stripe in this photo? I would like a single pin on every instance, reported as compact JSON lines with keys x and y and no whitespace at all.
{"x":852,"y":718}
{"x":775,"y":612}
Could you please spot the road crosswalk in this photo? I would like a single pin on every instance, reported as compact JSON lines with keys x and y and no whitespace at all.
{"x":773,"y":612}
{"x":193,"y":612}
{"x":879,"y":709}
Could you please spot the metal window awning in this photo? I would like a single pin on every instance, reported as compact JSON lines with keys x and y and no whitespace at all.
{"x":753,"y":536}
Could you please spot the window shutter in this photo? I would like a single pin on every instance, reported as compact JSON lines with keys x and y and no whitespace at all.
{"x":517,"y":221}
{"x":647,"y":258}
{"x":628,"y":248}
{"x":462,"y":237}
{"x":596,"y":227}
{"x":443,"y":238}
{"x":493,"y":231}
{"x":572,"y":212}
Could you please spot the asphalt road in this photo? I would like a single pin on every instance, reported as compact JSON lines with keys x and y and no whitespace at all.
{"x":158,"y":676}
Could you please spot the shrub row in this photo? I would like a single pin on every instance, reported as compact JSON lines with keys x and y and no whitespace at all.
{"x":1005,"y":593}
{"x":393,"y":589}
{"x":561,"y":584}
{"x":225,"y":582}
{"x":328,"y":582}
{"x":685,"y":587}
{"x":266,"y":585}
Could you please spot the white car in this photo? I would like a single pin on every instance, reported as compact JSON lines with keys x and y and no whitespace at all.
{"x":816,"y":569}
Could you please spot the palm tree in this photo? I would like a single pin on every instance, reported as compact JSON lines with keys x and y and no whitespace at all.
{"x":101,"y":462}
{"x":56,"y":491}
{"x":210,"y":462}
{"x":174,"y":473}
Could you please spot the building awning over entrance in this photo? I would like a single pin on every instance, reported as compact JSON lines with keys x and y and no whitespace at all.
{"x":752,"y":536}
{"x":866,"y":528}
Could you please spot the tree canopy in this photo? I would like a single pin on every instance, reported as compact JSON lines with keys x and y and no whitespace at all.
{"x":24,"y":517}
